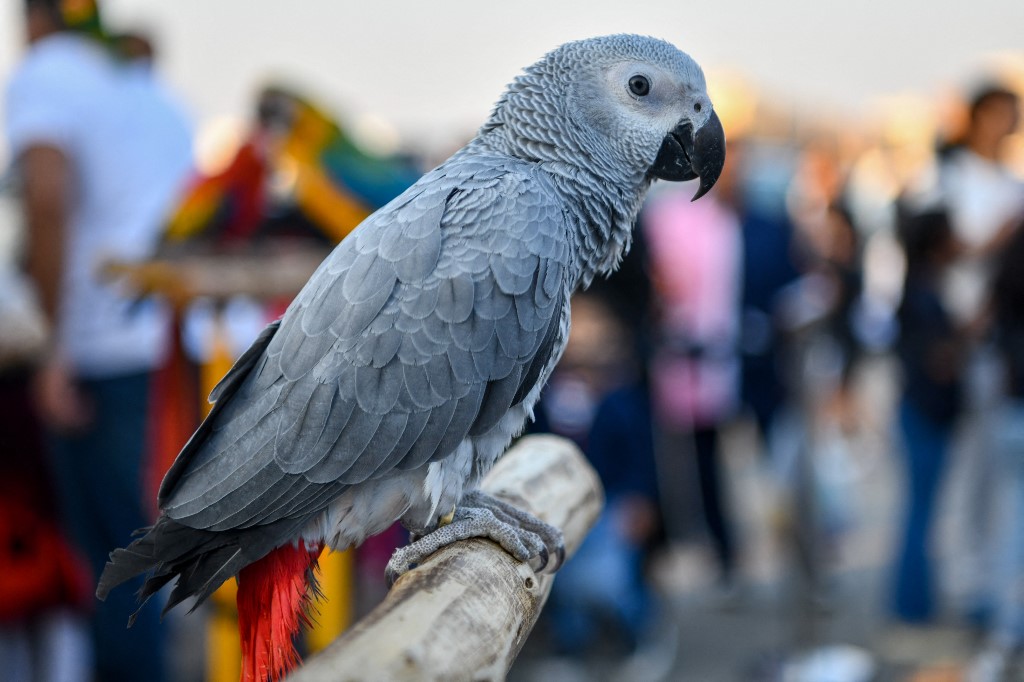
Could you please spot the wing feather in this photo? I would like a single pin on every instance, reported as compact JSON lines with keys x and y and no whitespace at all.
{"x":422,"y":328}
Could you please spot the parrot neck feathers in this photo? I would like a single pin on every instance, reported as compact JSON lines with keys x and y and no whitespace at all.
{"x":535,"y":121}
{"x":604,"y":200}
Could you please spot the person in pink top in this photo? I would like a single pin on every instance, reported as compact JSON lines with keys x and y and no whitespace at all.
{"x":695,"y":253}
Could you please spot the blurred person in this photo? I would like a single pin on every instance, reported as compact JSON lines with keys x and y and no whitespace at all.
{"x":769,"y":267}
{"x":801,"y":272}
{"x":985,"y":202}
{"x":838,"y":260}
{"x":101,"y":155}
{"x":606,"y":584}
{"x":45,"y":588}
{"x":779,"y":283}
{"x":829,"y":254}
{"x":1006,"y":636}
{"x":695,"y":252}
{"x":606,"y":409}
{"x":594,"y":363}
{"x":822,"y":319}
{"x":985,"y":199}
{"x":930,"y":349}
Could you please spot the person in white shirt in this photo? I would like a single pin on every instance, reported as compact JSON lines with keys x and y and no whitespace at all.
{"x":985,"y":199}
{"x":102,"y":155}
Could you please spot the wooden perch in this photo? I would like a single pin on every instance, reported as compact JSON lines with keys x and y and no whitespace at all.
{"x":261,"y":273}
{"x":466,"y":612}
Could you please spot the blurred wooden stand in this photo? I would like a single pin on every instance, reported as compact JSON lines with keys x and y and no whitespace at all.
{"x":272,"y":271}
{"x":466,"y":612}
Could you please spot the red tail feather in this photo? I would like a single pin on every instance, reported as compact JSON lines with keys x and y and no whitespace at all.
{"x":274,"y":595}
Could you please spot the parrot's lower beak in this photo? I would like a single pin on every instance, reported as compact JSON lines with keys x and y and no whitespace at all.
{"x":687,"y":154}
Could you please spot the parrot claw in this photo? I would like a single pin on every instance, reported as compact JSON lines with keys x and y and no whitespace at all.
{"x":541,"y":560}
{"x":480,"y":515}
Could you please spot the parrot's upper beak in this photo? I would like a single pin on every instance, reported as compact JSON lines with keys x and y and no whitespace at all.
{"x":687,"y":154}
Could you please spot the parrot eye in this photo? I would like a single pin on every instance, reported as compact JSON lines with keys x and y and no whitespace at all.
{"x":639,"y":85}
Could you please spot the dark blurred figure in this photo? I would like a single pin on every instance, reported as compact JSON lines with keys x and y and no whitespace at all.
{"x":598,"y":398}
{"x":597,"y":359}
{"x":45,"y":587}
{"x":769,"y":267}
{"x":986,"y":202}
{"x":822,"y":307}
{"x":930,"y":349}
{"x":695,"y":252}
{"x":824,"y":338}
{"x":800,"y":348}
{"x":101,"y":155}
{"x":840,"y":264}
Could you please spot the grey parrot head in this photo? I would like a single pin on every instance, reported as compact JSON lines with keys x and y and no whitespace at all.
{"x":629,"y":106}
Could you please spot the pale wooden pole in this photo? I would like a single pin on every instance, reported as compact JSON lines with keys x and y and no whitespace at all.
{"x":466,"y":612}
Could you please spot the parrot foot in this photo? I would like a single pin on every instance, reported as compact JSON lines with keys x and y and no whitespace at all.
{"x":551,"y":537}
{"x":480,"y":515}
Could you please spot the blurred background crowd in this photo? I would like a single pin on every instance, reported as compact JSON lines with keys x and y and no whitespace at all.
{"x":804,"y":394}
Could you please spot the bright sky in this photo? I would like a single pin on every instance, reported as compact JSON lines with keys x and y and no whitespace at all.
{"x":434,"y":68}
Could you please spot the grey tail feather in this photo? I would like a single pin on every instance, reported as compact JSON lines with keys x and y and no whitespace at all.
{"x":200,"y":560}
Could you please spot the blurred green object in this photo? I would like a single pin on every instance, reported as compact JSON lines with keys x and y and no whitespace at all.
{"x":321,"y":172}
{"x":82,"y":16}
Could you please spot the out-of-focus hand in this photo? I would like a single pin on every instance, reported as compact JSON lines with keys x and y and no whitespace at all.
{"x":59,"y":401}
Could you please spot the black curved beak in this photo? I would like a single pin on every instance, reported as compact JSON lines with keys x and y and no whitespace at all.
{"x":687,"y":154}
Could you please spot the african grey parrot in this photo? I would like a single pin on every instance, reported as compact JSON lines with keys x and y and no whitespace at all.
{"x":419,"y":348}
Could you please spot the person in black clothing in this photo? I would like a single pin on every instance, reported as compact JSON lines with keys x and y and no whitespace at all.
{"x":930,"y":350}
{"x":606,"y":581}
{"x":1008,"y":311}
{"x":599,"y":399}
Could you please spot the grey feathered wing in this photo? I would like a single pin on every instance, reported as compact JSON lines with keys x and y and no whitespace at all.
{"x":423,"y":327}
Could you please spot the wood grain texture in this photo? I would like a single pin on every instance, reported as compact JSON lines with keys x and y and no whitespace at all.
{"x":466,"y":612}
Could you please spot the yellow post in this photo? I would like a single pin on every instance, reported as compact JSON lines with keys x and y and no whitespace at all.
{"x":224,"y":652}
{"x":335,"y":611}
